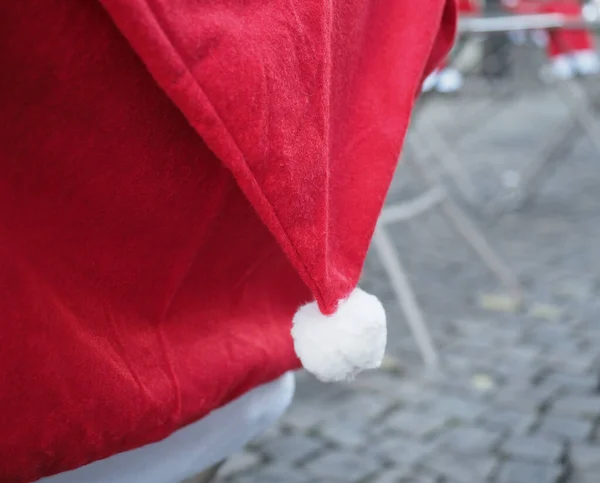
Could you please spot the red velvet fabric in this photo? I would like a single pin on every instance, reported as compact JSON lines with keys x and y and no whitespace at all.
{"x":177,"y":177}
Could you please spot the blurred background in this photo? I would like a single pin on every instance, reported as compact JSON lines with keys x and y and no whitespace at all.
{"x":487,"y":257}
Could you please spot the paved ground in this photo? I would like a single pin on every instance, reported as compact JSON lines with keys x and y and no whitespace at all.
{"x":518,"y":398}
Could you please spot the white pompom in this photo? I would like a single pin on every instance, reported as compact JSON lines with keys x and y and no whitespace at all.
{"x":339,"y":346}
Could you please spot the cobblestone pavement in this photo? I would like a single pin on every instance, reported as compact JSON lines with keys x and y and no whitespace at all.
{"x":517,"y":399}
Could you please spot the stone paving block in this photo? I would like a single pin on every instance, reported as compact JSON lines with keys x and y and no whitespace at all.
{"x":519,"y":401}
{"x":421,"y":479}
{"x":504,"y":369}
{"x":550,"y":334}
{"x":532,"y":448}
{"x":584,"y":477}
{"x":416,"y":424}
{"x":473,"y":348}
{"x":291,"y":448}
{"x":302,"y":418}
{"x":276,"y":473}
{"x":573,"y":383}
{"x":393,"y":475}
{"x":524,"y":355}
{"x":240,"y":463}
{"x":458,"y":363}
{"x":381,"y":382}
{"x":524,"y":396}
{"x":577,"y":290}
{"x":488,"y":333}
{"x":579,"y":406}
{"x":513,"y":420}
{"x":279,"y":473}
{"x":585,"y":458}
{"x":309,"y":388}
{"x":364,"y":406}
{"x":457,"y":409}
{"x":272,"y":433}
{"x":526,"y":472}
{"x":346,"y":466}
{"x":460,"y":469}
{"x":469,"y":441}
{"x":473,"y":386}
{"x":409,"y":392}
{"x":573,"y":430}
{"x":548,"y":386}
{"x":575,"y":359}
{"x":399,"y":450}
{"x":349,"y":433}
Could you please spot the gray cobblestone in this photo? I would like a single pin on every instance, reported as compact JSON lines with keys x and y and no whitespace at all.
{"x":569,"y":429}
{"x":420,"y":425}
{"x":400,"y":451}
{"x":344,"y":433}
{"x":516,"y":421}
{"x":302,"y":418}
{"x":574,"y":359}
{"x":585,"y":458}
{"x":525,"y":472}
{"x":291,"y":448}
{"x":579,"y":406}
{"x":507,"y":419}
{"x":551,"y":335}
{"x":525,"y":397}
{"x":457,"y":409}
{"x":420,"y":479}
{"x":239,"y":463}
{"x":276,"y":473}
{"x":536,"y":449}
{"x":582,"y":383}
{"x":367,"y":406}
{"x":410,"y":393}
{"x":394,"y":475}
{"x":574,"y":289}
{"x":460,"y":469}
{"x":584,"y":477}
{"x":469,"y":441}
{"x":346,"y":466}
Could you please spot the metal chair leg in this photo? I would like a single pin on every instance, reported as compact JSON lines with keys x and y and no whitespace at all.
{"x":473,"y":236}
{"x":581,"y":104}
{"x":405,"y":296}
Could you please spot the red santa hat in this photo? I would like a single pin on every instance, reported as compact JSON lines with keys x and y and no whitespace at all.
{"x":307,"y":142}
{"x":183,"y":184}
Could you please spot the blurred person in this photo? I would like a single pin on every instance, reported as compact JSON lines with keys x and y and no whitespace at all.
{"x":445,"y":78}
{"x":570,"y":52}
{"x":188,"y":192}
